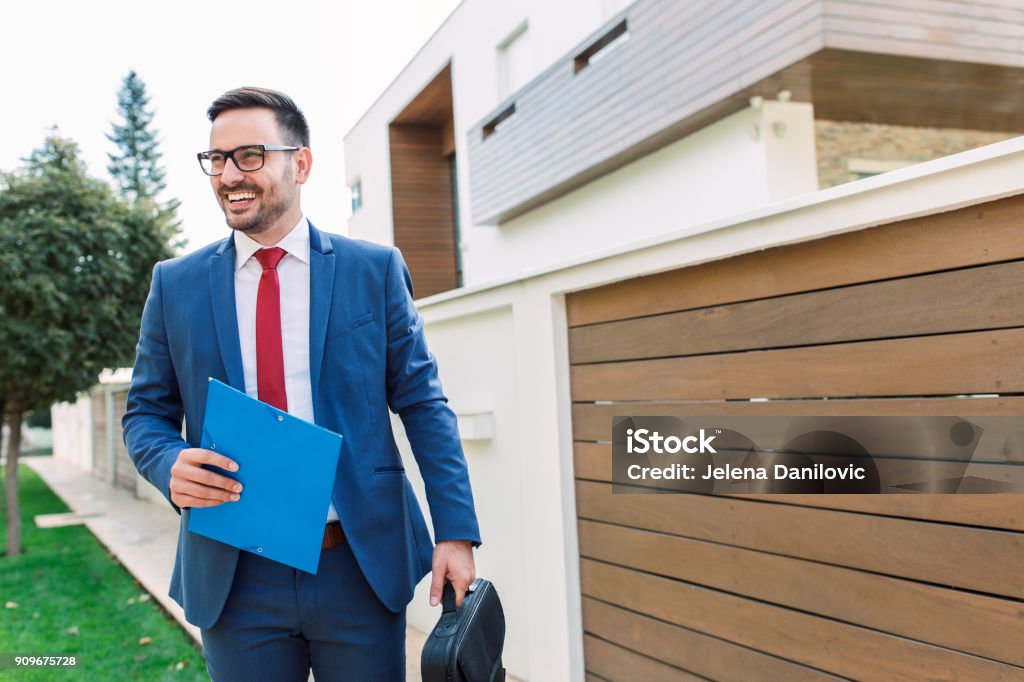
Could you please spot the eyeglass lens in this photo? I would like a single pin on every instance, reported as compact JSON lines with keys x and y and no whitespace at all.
{"x":245,"y":158}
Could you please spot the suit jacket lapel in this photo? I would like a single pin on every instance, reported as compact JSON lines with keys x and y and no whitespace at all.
{"x":222,"y":292}
{"x":321,"y":290}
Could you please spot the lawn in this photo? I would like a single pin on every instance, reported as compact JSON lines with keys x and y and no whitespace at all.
{"x":65,"y":595}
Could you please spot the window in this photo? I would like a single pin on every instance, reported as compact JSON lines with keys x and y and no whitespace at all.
{"x":357,"y":195}
{"x":495,"y":123}
{"x":600,"y":48}
{"x":514,"y":61}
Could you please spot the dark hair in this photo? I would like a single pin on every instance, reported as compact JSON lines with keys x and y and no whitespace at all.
{"x":289,"y":117}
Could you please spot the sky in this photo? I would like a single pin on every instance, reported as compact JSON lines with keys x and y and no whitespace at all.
{"x":63,"y":63}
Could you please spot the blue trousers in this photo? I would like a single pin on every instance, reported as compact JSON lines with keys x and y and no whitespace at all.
{"x":279,"y":622}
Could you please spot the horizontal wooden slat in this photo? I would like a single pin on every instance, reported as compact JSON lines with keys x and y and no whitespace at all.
{"x":855,"y":34}
{"x":613,"y":663}
{"x":892,"y":466}
{"x":963,"y":300}
{"x":975,"y":362}
{"x":974,"y":235}
{"x":949,"y":19}
{"x":963,"y":621}
{"x":977,"y":17}
{"x":979,"y":559}
{"x":823,"y":643}
{"x":705,"y":655}
{"x":592,"y":462}
{"x":986,"y":511}
{"x":593,"y":421}
{"x":998,"y":440}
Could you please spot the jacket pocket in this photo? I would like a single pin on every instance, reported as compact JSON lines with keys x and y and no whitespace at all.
{"x":349,"y":325}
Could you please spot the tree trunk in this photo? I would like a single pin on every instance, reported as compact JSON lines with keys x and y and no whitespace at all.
{"x":3,"y":419}
{"x":13,"y":508}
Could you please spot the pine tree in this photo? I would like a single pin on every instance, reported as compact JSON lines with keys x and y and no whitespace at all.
{"x":136,"y":168}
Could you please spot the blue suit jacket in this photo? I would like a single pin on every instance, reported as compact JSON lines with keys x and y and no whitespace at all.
{"x":367,"y":353}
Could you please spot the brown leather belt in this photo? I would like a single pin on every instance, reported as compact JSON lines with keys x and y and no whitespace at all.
{"x":333,"y":535}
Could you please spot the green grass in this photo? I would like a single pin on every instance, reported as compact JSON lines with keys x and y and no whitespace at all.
{"x":64,"y":582}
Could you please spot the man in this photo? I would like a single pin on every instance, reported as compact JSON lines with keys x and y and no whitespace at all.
{"x":325,"y":328}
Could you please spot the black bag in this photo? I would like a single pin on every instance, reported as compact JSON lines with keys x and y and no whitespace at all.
{"x":466,"y":643}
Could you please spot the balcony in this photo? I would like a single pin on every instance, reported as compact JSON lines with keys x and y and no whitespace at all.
{"x":661,"y":70}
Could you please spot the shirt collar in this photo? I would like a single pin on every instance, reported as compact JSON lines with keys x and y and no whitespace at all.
{"x":296,"y":243}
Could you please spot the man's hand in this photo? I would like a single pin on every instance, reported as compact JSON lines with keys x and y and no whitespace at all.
{"x":194,"y":486}
{"x":453,"y":560}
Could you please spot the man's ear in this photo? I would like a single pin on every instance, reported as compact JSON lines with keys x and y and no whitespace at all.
{"x":303,"y":164}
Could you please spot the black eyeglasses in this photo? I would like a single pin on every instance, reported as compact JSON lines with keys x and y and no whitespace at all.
{"x":247,"y":158}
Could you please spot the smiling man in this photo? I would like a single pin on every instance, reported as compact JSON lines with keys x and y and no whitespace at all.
{"x":325,"y":328}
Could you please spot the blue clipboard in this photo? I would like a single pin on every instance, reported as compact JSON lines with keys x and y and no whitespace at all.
{"x":286,"y":467}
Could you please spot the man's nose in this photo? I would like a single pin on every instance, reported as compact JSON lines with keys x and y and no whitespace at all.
{"x":231,"y":174}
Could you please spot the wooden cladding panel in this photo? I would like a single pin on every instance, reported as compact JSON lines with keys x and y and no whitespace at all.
{"x":433,"y":105}
{"x":974,"y":362}
{"x":593,"y":421}
{"x":968,"y":299}
{"x":979,"y":559}
{"x":811,"y":640}
{"x":975,"y":235}
{"x":423,"y":214}
{"x":612,"y":662}
{"x":892,"y":320}
{"x":963,"y":621}
{"x":1005,"y":17}
{"x":710,"y":657}
{"x":592,"y":462}
{"x":422,"y":142}
{"x":857,"y":82}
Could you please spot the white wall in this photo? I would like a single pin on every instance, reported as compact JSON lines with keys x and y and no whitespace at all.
{"x":482,"y":379}
{"x":469,"y":39}
{"x":144,"y":490}
{"x":787,"y":132}
{"x":731,"y":166}
{"x":72,"y":432}
{"x":503,"y":347}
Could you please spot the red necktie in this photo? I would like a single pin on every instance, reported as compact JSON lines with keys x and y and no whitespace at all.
{"x":269,"y":349}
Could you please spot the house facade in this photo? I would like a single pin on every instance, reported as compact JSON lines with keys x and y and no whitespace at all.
{"x":676,"y":208}
{"x":522,"y":132}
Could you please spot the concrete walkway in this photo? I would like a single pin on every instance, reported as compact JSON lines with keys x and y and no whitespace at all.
{"x":143,"y":536}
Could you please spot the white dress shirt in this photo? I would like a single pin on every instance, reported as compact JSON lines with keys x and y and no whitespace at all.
{"x":293,"y":274}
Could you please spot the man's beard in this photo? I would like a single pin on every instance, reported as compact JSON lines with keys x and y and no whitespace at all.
{"x":273,"y":207}
{"x":260,"y":221}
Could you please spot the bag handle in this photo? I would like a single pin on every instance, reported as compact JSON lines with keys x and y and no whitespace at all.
{"x":448,"y":624}
{"x":448,"y":598}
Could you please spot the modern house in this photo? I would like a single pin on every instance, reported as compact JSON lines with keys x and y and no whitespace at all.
{"x":713,"y":208}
